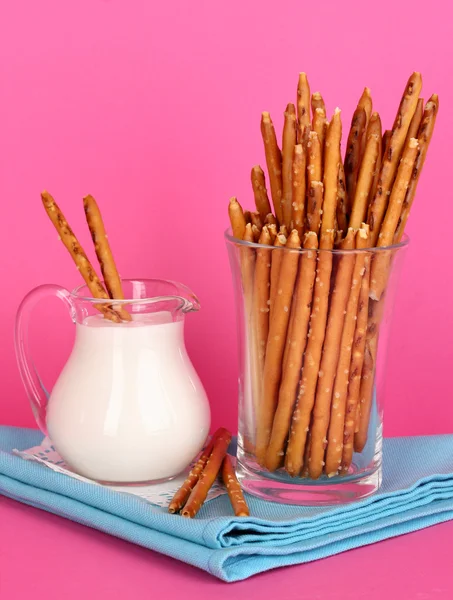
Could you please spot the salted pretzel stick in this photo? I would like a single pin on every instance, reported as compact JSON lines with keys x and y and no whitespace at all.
{"x":299,"y":189}
{"x":247,"y":216}
{"x":375,"y":315}
{"x":262,"y":203}
{"x":270,"y":219}
{"x":256,"y":220}
{"x":375,"y":128}
{"x":314,"y":206}
{"x":234,"y":489}
{"x":381,"y":263}
{"x":278,"y":326}
{"x":237,"y":218}
{"x":180,"y":497}
{"x":274,"y":163}
{"x":385,"y":140}
{"x":334,"y":450}
{"x":294,"y":350}
{"x":272,"y":232}
{"x":104,"y":254}
{"x":332,"y":159}
{"x":365,"y":181}
{"x":319,"y":126}
{"x":276,"y":261}
{"x":256,"y":232}
{"x":416,"y":120}
{"x":208,"y":475}
{"x":306,"y":394}
{"x":314,"y":159}
{"x":330,"y":357}
{"x":261,"y":297}
{"x":358,"y":349}
{"x":317,"y":101}
{"x":288,"y":143}
{"x":342,"y":200}
{"x":353,"y":151}
{"x":303,"y":101}
{"x":78,"y":255}
{"x":366,"y":103}
{"x":392,"y":155}
{"x":424,"y":136}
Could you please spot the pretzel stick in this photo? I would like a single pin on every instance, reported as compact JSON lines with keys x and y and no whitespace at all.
{"x":375,"y":128}
{"x":353,"y":152}
{"x":385,"y":140}
{"x":340,"y":391}
{"x":180,"y":497}
{"x":306,"y":395}
{"x":314,"y":159}
{"x":416,"y":120}
{"x":272,"y":229}
{"x":256,"y":220}
{"x":276,"y":261}
{"x":288,"y":143}
{"x":319,"y":126}
{"x":342,"y":200}
{"x":375,"y":314}
{"x":278,"y":326}
{"x":365,"y":181}
{"x":424,"y":135}
{"x":262,"y":203}
{"x":208,"y":475}
{"x":332,"y":159}
{"x":247,"y":216}
{"x":330,"y":357}
{"x":303,"y":101}
{"x":234,"y":489}
{"x":261,"y":298}
{"x":78,"y":256}
{"x":317,"y":101}
{"x":256,"y":232}
{"x":358,"y":350}
{"x":392,"y":155}
{"x":294,"y":350}
{"x":366,"y":102}
{"x":314,"y":206}
{"x":274,"y":163}
{"x":270,"y":219}
{"x":381,"y":263}
{"x":237,"y":219}
{"x":299,"y":189}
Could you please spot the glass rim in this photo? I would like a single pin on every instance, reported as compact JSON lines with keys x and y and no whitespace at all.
{"x":75,"y":294}
{"x":374,"y":250}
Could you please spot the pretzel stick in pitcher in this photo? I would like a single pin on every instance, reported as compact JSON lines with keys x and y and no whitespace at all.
{"x":276,"y":261}
{"x":381,"y":263}
{"x":181,"y":496}
{"x":385,"y":140}
{"x":314,"y":206}
{"x":416,"y":120}
{"x":317,"y":101}
{"x":288,"y":143}
{"x":392,"y":155}
{"x":424,"y":135}
{"x":256,"y":220}
{"x":330,"y":357}
{"x":366,"y":103}
{"x":261,"y":298}
{"x":262,"y":203}
{"x":294,"y":350}
{"x":234,"y":489}
{"x":256,"y":232}
{"x":237,"y":218}
{"x":270,"y":219}
{"x":375,"y":128}
{"x":278,"y":326}
{"x":340,"y":390}
{"x":365,"y":181}
{"x":78,"y":256}
{"x":272,"y":229}
{"x":319,"y":127}
{"x":314,"y":159}
{"x":299,"y":189}
{"x":274,"y":163}
{"x":342,"y":200}
{"x":358,"y":349}
{"x":353,"y":151}
{"x":104,"y":254}
{"x":303,"y":101}
{"x":208,"y":475}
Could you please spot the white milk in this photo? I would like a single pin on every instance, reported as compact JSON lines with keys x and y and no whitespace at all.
{"x":128,"y":406}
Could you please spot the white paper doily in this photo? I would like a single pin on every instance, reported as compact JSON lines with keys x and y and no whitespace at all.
{"x":158,"y":494}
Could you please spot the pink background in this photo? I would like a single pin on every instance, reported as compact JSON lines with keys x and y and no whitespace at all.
{"x":154,"y":107}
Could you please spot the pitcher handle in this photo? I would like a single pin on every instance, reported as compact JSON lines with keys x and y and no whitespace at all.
{"x":36,"y":391}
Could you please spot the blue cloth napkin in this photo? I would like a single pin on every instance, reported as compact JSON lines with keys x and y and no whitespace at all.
{"x":417,"y":492}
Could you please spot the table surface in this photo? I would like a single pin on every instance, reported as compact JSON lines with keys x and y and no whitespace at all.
{"x":43,"y":556}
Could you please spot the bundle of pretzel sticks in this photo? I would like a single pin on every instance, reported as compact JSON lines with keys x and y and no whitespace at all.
{"x":111,"y":288}
{"x":314,"y":320}
{"x":213,"y":459}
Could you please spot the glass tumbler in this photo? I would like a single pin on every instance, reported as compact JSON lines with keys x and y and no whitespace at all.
{"x":313,"y":330}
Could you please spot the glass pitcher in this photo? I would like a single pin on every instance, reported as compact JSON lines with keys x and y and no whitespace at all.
{"x":128,"y":406}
